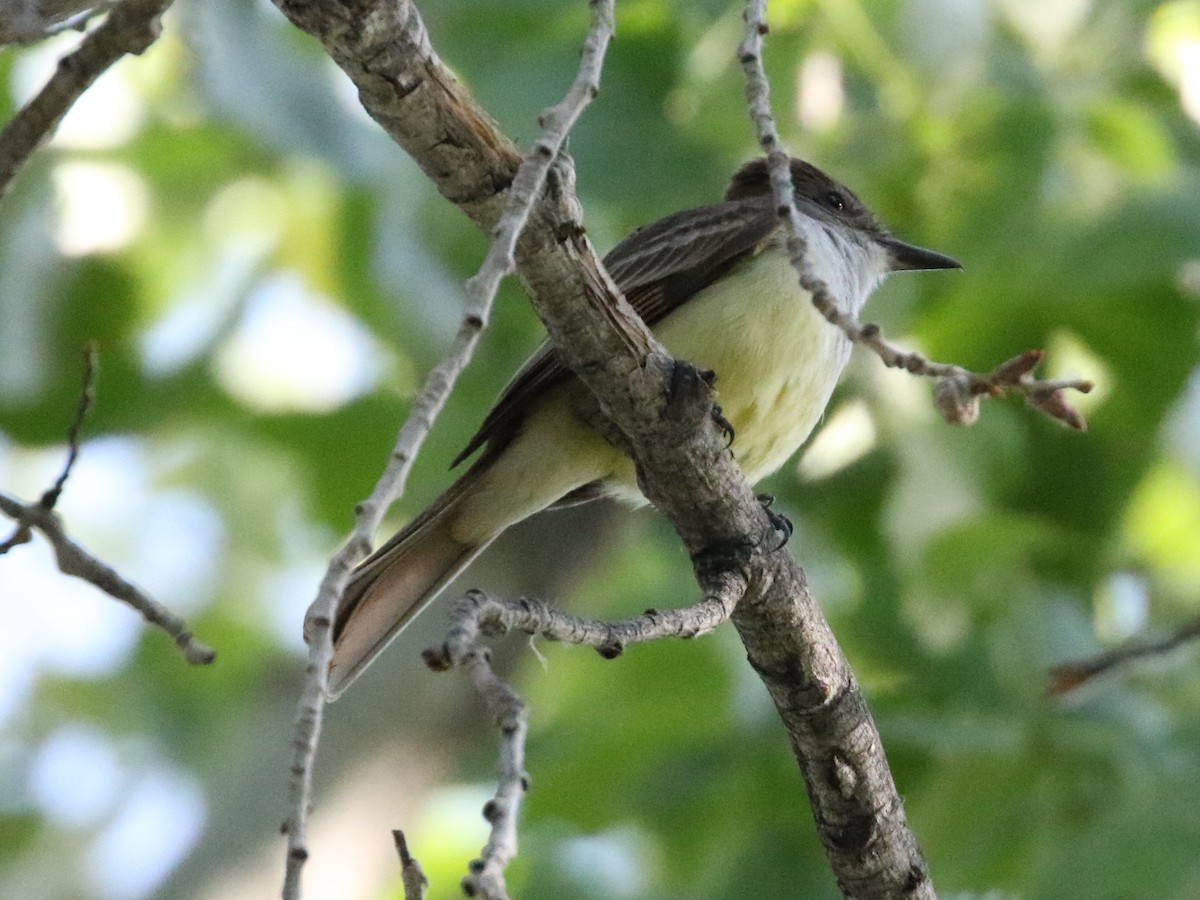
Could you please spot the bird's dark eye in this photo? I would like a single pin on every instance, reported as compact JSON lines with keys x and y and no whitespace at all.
{"x":835,"y":200}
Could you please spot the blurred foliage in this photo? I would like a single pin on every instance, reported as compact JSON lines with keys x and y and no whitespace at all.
{"x":269,"y":278}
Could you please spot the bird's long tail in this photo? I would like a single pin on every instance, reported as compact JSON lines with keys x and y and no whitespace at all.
{"x":397,"y":581}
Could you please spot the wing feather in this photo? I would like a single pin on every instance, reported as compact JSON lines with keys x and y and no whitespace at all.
{"x":657,"y":268}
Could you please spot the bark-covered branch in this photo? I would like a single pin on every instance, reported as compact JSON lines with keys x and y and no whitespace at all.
{"x":479,"y":616}
{"x":479,"y":613}
{"x":519,"y":200}
{"x":130,"y":28}
{"x":663,"y":408}
{"x":30,"y":21}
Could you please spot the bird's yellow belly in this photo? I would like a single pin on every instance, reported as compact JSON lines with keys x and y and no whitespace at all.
{"x":777,"y":362}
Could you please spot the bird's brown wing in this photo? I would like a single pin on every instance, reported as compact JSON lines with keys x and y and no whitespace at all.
{"x":657,"y":268}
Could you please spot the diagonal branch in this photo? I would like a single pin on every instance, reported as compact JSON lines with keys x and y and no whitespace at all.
{"x":1068,"y":677}
{"x":29,"y":21}
{"x":130,"y":28}
{"x":481,"y":289}
{"x":957,"y":390}
{"x":663,"y":408}
{"x":318,"y":623}
{"x":74,"y":560}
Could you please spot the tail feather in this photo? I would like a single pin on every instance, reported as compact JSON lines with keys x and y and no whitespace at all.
{"x":395,"y":583}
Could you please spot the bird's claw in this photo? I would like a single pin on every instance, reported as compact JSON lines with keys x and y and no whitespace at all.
{"x":779,"y":522}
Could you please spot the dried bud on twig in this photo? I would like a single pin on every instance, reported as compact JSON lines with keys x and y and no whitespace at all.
{"x":956,"y":400}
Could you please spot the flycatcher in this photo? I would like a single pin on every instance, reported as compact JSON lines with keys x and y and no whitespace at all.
{"x":716,"y":287}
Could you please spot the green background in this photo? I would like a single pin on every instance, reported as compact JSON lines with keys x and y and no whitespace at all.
{"x":1050,"y":146}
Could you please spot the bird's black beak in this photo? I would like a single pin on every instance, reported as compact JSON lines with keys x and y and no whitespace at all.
{"x":904,"y":257}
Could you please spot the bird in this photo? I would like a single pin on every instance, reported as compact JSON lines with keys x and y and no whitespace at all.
{"x":716,"y":286}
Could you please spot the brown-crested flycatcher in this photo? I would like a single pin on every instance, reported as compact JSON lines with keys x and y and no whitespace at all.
{"x":716,"y":287}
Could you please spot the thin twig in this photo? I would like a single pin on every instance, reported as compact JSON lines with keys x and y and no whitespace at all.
{"x":412,"y":876}
{"x":556,"y":122}
{"x":368,"y":515}
{"x":957,"y":390}
{"x":131,"y":27}
{"x":479,"y":613}
{"x":22,"y":534}
{"x":74,"y":560}
{"x":481,"y":289}
{"x":894,"y":866}
{"x":87,"y":397}
{"x":29,"y":21}
{"x":485,"y":877}
{"x":1069,"y":677}
{"x":478,"y":616}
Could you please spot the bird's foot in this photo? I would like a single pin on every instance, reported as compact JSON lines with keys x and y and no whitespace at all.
{"x":736,"y":555}
{"x":725,"y":426}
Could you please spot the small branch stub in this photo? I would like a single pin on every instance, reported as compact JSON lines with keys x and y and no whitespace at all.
{"x":412,"y":876}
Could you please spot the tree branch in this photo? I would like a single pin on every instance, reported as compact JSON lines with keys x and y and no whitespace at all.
{"x":663,"y":408}
{"x":30,"y":21}
{"x":481,"y":290}
{"x":478,"y":616}
{"x":479,"y":613}
{"x":1071,"y":676}
{"x":486,"y":874}
{"x":957,"y":390}
{"x":131,"y":27}
{"x":72,"y":558}
{"x":318,"y":624}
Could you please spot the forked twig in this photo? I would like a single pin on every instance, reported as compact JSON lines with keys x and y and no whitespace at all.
{"x":957,"y":391}
{"x":481,"y":290}
{"x":73,"y":559}
{"x":479,"y":616}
